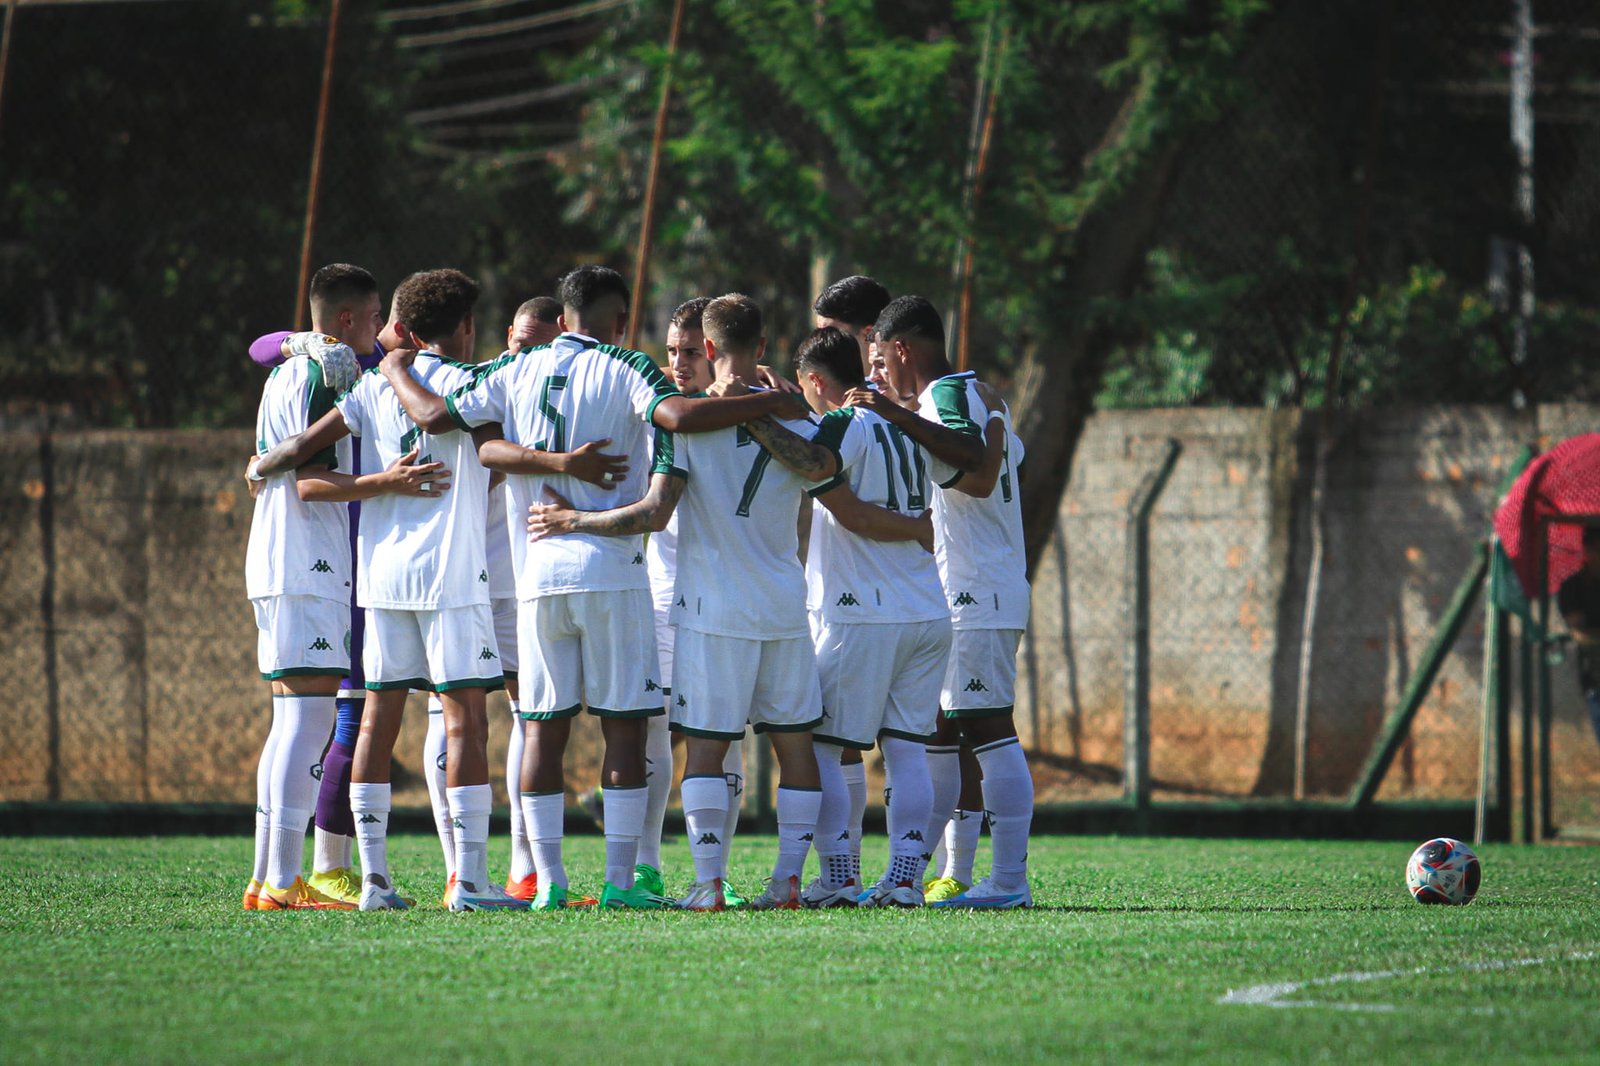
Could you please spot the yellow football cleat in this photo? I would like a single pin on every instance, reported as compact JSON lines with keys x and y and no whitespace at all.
{"x":943,"y":888}
{"x":298,"y":897}
{"x":340,"y":883}
{"x":252,"y":892}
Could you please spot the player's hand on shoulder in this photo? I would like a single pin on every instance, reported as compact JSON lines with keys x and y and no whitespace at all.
{"x":550,"y":519}
{"x":775,"y":381}
{"x":871,"y":399}
{"x":339,"y":364}
{"x":990,"y":396}
{"x":734,"y":386}
{"x":397,"y":361}
{"x":588,"y":463}
{"x":407,"y":477}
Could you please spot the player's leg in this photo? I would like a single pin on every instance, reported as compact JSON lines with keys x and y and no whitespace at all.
{"x":521,"y":881}
{"x":265,"y":610}
{"x":837,"y":883}
{"x":658,"y":767}
{"x":854,"y":768}
{"x":966,"y":825}
{"x":853,"y":682}
{"x":435,"y":758}
{"x":733,"y":777}
{"x":371,"y":797}
{"x":787,"y":704}
{"x":334,"y":829}
{"x":705,"y":809}
{"x":550,"y":676}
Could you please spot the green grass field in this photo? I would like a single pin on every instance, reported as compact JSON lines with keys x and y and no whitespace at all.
{"x":137,"y":949}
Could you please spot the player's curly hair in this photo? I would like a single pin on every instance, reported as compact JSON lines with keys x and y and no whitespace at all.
{"x":432,"y":303}
{"x":687,"y":315}
{"x":856,"y":301}
{"x":832,"y":352}
{"x":733,"y":322}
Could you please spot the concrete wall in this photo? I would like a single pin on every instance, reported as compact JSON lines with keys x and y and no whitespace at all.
{"x":157,"y":696}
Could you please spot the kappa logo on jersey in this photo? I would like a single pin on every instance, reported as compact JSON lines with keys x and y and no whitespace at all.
{"x":321,"y":567}
{"x":847,"y":600}
{"x":320,"y":644}
{"x":487,"y":654}
{"x":368,"y":819}
{"x":965,"y":600}
{"x":975,"y":685}
{"x":708,"y":838}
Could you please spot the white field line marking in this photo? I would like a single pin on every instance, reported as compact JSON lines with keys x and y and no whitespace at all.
{"x":1276,"y":995}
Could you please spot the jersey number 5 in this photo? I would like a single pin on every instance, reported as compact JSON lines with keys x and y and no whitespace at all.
{"x":557,"y":439}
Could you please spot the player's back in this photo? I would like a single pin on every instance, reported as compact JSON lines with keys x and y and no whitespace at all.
{"x":739,"y":572}
{"x":296,"y":548}
{"x":848,"y":577}
{"x":419,"y":552}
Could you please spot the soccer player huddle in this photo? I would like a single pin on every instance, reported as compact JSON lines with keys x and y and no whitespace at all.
{"x":571,"y":523}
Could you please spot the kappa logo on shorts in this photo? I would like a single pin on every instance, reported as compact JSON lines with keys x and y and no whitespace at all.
{"x":682,"y":602}
{"x":651,"y":686}
{"x":320,"y":644}
{"x":487,"y":654}
{"x":483,"y":576}
{"x":321,"y":567}
{"x":976,"y":685}
{"x":681,"y":702}
{"x":708,"y":838}
{"x":638,"y":558}
{"x":368,"y":819}
{"x":847,"y":600}
{"x":965,"y":600}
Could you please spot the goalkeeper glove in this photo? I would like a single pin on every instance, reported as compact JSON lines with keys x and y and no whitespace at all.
{"x":339,"y":365}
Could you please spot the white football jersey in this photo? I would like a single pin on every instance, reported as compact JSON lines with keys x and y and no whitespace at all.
{"x":739,"y":573}
{"x":297,"y":548}
{"x":554,"y":398}
{"x":982,"y":561}
{"x":661,"y":549}
{"x":502,"y":576}
{"x":850,"y":578}
{"x":418,"y":553}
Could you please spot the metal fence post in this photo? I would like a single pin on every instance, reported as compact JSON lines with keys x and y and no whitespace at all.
{"x":1136,"y":588}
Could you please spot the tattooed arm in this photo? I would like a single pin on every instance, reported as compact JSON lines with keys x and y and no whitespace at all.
{"x":810,"y":460}
{"x":646,"y":515}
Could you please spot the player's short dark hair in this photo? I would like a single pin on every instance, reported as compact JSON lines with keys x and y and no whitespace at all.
{"x":856,"y":300}
{"x":540,"y":308}
{"x":910,"y":316}
{"x":687,"y":315}
{"x":831,"y":351}
{"x":432,"y":303}
{"x":733,"y":322}
{"x":588,"y":285}
{"x":1591,"y":536}
{"x":341,"y":284}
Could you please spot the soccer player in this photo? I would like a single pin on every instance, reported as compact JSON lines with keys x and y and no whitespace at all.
{"x":584,"y":622}
{"x":424,"y":584}
{"x":879,"y":624}
{"x":535,"y":323}
{"x":982,"y":566}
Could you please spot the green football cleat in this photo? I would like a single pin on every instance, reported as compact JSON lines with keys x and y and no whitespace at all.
{"x":650,"y":877}
{"x":637,"y":898}
{"x":943,"y":888}
{"x":731,"y":897}
{"x":551,"y":897}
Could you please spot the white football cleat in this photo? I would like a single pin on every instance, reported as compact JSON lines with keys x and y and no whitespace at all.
{"x":465,"y":896}
{"x":379,"y":896}
{"x":985,"y":895}
{"x":892,"y":894}
{"x":817,"y":895}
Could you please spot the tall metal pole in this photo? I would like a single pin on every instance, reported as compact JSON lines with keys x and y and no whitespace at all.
{"x":301,"y":312}
{"x":1522,"y":141}
{"x":1136,"y":603}
{"x":647,"y":224}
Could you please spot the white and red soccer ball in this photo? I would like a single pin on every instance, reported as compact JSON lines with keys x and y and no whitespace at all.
{"x":1444,"y":870}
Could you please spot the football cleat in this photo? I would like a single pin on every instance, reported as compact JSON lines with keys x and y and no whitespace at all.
{"x":526,"y":888}
{"x":985,"y":895}
{"x":298,"y":897}
{"x":252,"y":892}
{"x":637,"y":898}
{"x":449,"y":886}
{"x":648,"y":876}
{"x":731,"y":896}
{"x":378,"y":896}
{"x":467,"y":897}
{"x":338,"y":883}
{"x":896,"y":894}
{"x":817,"y":894}
{"x":943,"y":888}
{"x":779,"y":896}
{"x":705,"y":896}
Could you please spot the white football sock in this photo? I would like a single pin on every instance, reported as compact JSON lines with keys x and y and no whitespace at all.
{"x":623,"y":807}
{"x":1008,"y":797}
{"x":658,"y":788}
{"x":258,"y":872}
{"x":855,"y":779}
{"x":469,"y":816}
{"x":733,"y":775}
{"x":705,"y":811}
{"x":369,"y":804}
{"x":837,"y":864}
{"x":545,"y":815}
{"x":521,"y":850}
{"x":307,"y":723}
{"x":910,"y":805}
{"x":797,"y":823}
{"x":961,"y":845}
{"x":329,"y":851}
{"x":434,"y":753}
{"x":944,"y":771}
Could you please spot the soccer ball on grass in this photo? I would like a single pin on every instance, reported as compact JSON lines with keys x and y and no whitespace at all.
{"x":1443,"y":870}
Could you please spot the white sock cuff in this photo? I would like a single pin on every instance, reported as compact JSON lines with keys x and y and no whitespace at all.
{"x":470,"y":799}
{"x":295,"y":818}
{"x":516,"y":709}
{"x":703,"y":792}
{"x":545,"y":815}
{"x":624,"y":808}
{"x":1002,"y":760}
{"x":798,"y":805}
{"x":369,"y":796}
{"x":855,"y":773}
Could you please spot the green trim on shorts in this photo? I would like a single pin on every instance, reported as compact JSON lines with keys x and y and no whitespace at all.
{"x":647,"y":712}
{"x":551,"y":716}
{"x":489,"y":684}
{"x":803,"y":727}
{"x":705,"y":734}
{"x":306,"y":671}
{"x":906,"y":734}
{"x":979,"y":712}
{"x":509,"y":675}
{"x":411,"y":682}
{"x":853,"y":745}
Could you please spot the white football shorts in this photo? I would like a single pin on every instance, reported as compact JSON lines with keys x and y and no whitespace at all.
{"x":880,"y":680}
{"x":594,"y":649}
{"x":981,"y":678}
{"x":722,"y":683}
{"x":504,"y":610}
{"x":666,"y":640}
{"x":302,"y":636}
{"x":444,"y":649}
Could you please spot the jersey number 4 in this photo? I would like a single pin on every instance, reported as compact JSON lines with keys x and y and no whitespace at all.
{"x":752,"y":483}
